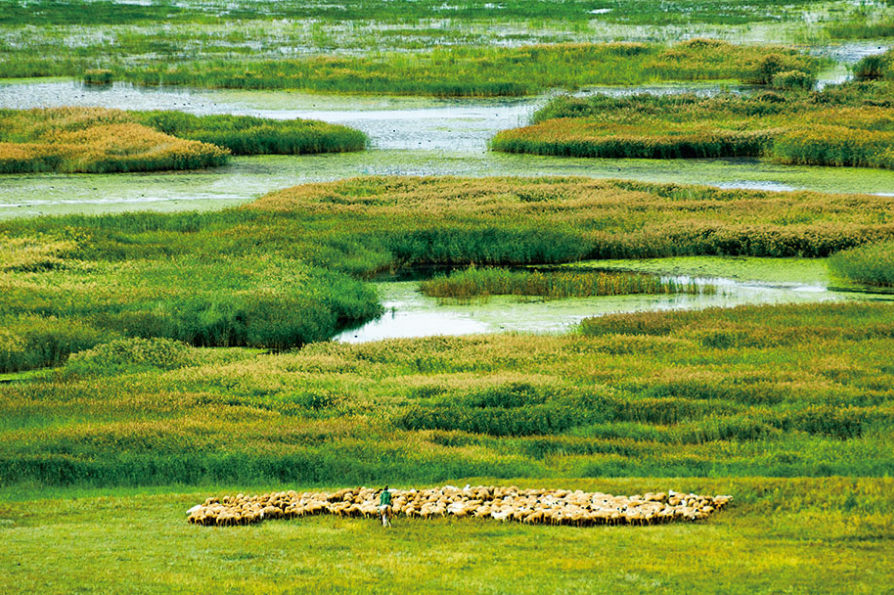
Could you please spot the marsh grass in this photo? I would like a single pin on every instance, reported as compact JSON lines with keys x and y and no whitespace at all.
{"x":498,"y":71}
{"x":845,"y":126}
{"x":869,"y":265}
{"x":773,"y":391}
{"x":246,"y":135}
{"x":96,"y":140}
{"x":481,"y":283}
{"x":288,"y":269}
{"x":875,"y":67}
{"x":99,"y":76}
{"x":93,"y":140}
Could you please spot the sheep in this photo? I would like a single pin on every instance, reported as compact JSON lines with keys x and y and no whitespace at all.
{"x":532,"y":506}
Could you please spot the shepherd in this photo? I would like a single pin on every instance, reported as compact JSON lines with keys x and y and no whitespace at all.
{"x":385,"y":507}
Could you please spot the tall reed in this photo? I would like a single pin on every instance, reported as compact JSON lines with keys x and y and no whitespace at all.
{"x":484,"y":282}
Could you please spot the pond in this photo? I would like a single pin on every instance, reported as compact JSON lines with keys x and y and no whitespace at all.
{"x":739,"y":281}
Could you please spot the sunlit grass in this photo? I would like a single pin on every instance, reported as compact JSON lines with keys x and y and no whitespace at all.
{"x":776,"y":391}
{"x":96,"y":140}
{"x":845,"y":126}
{"x":870,"y":265}
{"x":812,"y":536}
{"x":484,"y":71}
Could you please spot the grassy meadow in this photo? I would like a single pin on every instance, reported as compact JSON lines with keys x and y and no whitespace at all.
{"x":97,"y":140}
{"x":806,"y":536}
{"x":842,"y":126}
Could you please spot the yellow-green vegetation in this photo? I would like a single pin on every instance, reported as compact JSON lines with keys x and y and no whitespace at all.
{"x":93,"y":140}
{"x":287,"y":269}
{"x":807,"y":536}
{"x":848,"y":126}
{"x":870,"y":265}
{"x":492,"y":71}
{"x":247,"y":135}
{"x":96,"y":140}
{"x":773,"y":391}
{"x":482,"y":283}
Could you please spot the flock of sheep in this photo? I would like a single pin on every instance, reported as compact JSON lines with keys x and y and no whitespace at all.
{"x":553,"y":507}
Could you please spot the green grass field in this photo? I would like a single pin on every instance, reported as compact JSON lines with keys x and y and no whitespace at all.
{"x":805,"y":536}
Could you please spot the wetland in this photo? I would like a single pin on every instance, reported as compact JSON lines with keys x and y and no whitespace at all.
{"x":412,"y":307}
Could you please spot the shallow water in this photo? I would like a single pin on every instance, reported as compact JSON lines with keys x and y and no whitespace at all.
{"x":409,"y":135}
{"x":740,"y":281}
{"x":247,"y":178}
{"x":392,"y":122}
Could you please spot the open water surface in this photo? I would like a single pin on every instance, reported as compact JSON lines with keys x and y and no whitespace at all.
{"x":739,"y":281}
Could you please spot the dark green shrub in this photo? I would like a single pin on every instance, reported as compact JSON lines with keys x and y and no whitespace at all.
{"x":98,"y":77}
{"x":797,"y":80}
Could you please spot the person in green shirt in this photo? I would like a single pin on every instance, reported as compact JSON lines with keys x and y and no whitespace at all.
{"x":385,"y":507}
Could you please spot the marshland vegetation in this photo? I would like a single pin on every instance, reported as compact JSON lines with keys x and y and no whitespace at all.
{"x":169,"y":335}
{"x":288,"y":268}
{"x":872,"y":264}
{"x":97,"y":140}
{"x":848,"y":125}
{"x":481,"y":283}
{"x":476,"y":71}
{"x":774,"y":391}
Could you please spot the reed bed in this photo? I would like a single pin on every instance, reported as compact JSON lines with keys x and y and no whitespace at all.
{"x":93,"y":140}
{"x":506,"y":504}
{"x":482,"y":283}
{"x":837,"y":127}
{"x":98,"y":76}
{"x":875,"y":67}
{"x":255,"y":302}
{"x":495,"y":71}
{"x":246,"y":135}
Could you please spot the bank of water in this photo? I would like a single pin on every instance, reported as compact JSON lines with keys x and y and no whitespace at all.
{"x":412,"y":136}
{"x":247,"y":178}
{"x":739,"y":281}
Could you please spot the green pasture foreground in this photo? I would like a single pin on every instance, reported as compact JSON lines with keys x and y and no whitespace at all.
{"x":793,"y":536}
